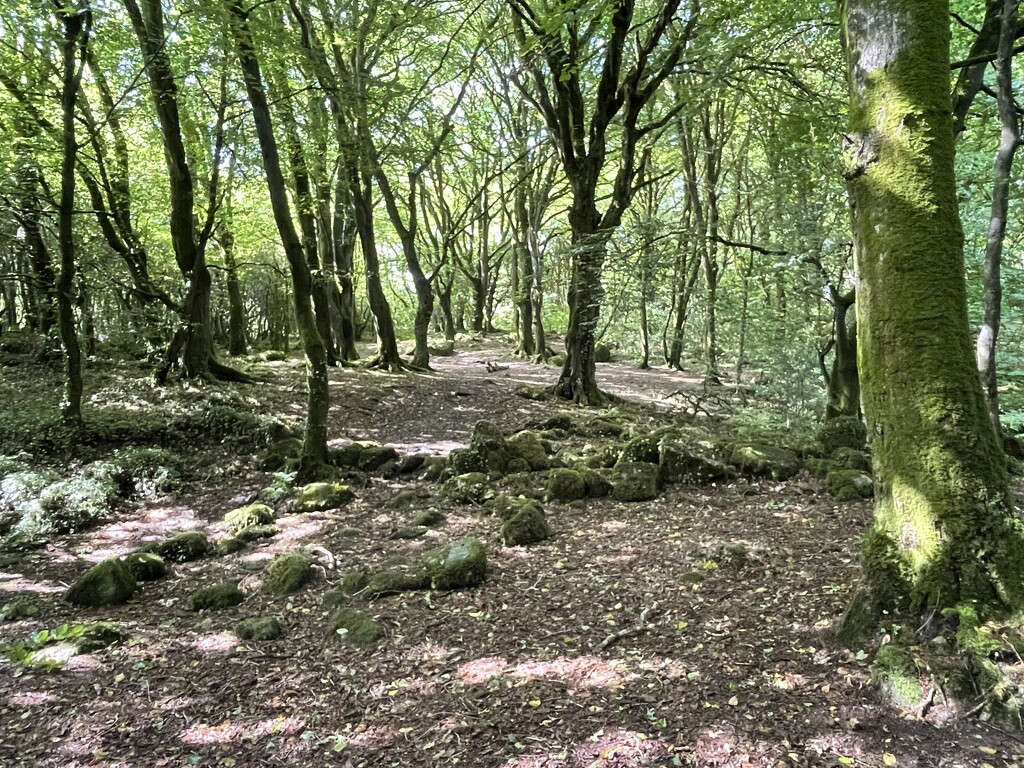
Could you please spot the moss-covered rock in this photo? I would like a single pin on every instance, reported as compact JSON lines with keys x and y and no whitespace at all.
{"x":109,"y":582}
{"x":364,"y":455}
{"x":183,"y":547}
{"x":684,"y":464}
{"x":147,"y":566}
{"x":895,"y":671}
{"x":604,"y":427}
{"x":470,"y":488}
{"x":456,"y":565}
{"x":282,"y":454}
{"x":842,"y":432}
{"x":488,"y":452}
{"x":248,"y":516}
{"x":522,"y":484}
{"x":527,"y":526}
{"x":565,"y":485}
{"x":257,"y":532}
{"x":635,"y":481}
{"x":528,"y":446}
{"x":230,"y":546}
{"x":850,"y":458}
{"x":760,"y":460}
{"x":530,"y":392}
{"x":602,"y":353}
{"x":288,"y":573}
{"x":822,"y":467}
{"x":430,"y":518}
{"x":595,"y":484}
{"x":849,"y":485}
{"x":355,"y":628}
{"x":259,"y":628}
{"x":99,"y":635}
{"x":353,"y":582}
{"x":215,"y":597}
{"x":644,"y":448}
{"x":319,"y":497}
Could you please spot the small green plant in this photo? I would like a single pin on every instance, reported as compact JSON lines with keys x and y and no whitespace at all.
{"x":22,"y":652}
{"x":281,"y":487}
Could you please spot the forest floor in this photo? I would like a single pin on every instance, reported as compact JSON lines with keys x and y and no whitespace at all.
{"x":595,"y":648}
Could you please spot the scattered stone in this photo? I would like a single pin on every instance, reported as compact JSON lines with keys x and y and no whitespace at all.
{"x":257,"y":532}
{"x":686,"y":465}
{"x":765,"y":461}
{"x":259,"y":628}
{"x":456,"y":565}
{"x":109,"y":582}
{"x":392,"y":582}
{"x":182,"y":547}
{"x":430,"y":518}
{"x":634,"y":481}
{"x":405,"y":499}
{"x":487,"y":452}
{"x":565,"y":485}
{"x":147,"y":566}
{"x":527,"y":526}
{"x":230,"y":546}
{"x":604,"y":427}
{"x":354,"y":581}
{"x":645,"y":448}
{"x":353,"y":627}
{"x":248,"y":516}
{"x":850,"y":485}
{"x":561,"y":422}
{"x":319,"y":497}
{"x":529,"y":392}
{"x":410,"y":463}
{"x":281,"y":453}
{"x":409,"y":532}
{"x":288,"y":573}
{"x":469,"y":488}
{"x":522,"y":484}
{"x":216,"y":597}
{"x":596,"y":485}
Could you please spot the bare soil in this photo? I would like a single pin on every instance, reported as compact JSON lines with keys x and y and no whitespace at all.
{"x":593,"y":649}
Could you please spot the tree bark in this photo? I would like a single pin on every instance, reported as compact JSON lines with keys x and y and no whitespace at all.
{"x":314,"y":443}
{"x":843,"y":383}
{"x":945,"y":534}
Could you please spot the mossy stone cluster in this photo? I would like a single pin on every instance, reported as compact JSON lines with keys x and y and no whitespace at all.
{"x":529,"y":447}
{"x":488,"y":453}
{"x":320,"y":497}
{"x":216,"y":597}
{"x":288,"y":573}
{"x":843,"y":432}
{"x":109,"y":582}
{"x":849,"y":485}
{"x":364,"y":456}
{"x":761,"y":460}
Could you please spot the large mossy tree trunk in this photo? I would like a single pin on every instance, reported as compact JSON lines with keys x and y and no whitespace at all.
{"x":945,"y":535}
{"x":314,"y":442}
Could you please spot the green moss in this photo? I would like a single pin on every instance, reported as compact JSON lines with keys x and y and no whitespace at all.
{"x":258,"y":532}
{"x":182,"y":547}
{"x":595,"y":485}
{"x":288,"y":573}
{"x":683,"y":464}
{"x":147,"y":566}
{"x":457,"y":565}
{"x":822,"y":467}
{"x":885,"y":589}
{"x":259,"y":628}
{"x":765,"y":461}
{"x":528,"y":392}
{"x":109,"y":582}
{"x":230,"y":546}
{"x":527,"y":526}
{"x":353,"y":581}
{"x":409,"y":532}
{"x":248,"y":516}
{"x":527,"y":446}
{"x":849,"y":458}
{"x":392,"y":582}
{"x":896,"y":672}
{"x":849,"y":485}
{"x":565,"y":485}
{"x":355,"y":628}
{"x":319,"y":497}
{"x":99,"y":635}
{"x":215,"y":597}
{"x":470,"y":488}
{"x":843,"y":432}
{"x":645,"y":448}
{"x":635,"y":481}
{"x":604,"y":427}
{"x":430,"y":518}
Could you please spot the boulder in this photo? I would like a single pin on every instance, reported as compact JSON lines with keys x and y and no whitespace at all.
{"x":259,"y":628}
{"x":392,"y":582}
{"x":565,"y":485}
{"x":288,"y":573}
{"x":527,"y":526}
{"x":470,"y":488}
{"x":522,"y":484}
{"x":182,"y":547}
{"x":109,"y":582}
{"x":681,"y":464}
{"x":147,"y":566}
{"x":602,"y":353}
{"x":850,"y":485}
{"x":230,"y":546}
{"x":256,"y":532}
{"x":530,"y":392}
{"x":604,"y":427}
{"x":528,"y":446}
{"x":319,"y":497}
{"x":645,"y":448}
{"x":456,"y":565}
{"x":634,"y":481}
{"x":429,"y":518}
{"x":215,"y":597}
{"x":759,"y":460}
{"x":595,"y":485}
{"x":353,"y":627}
{"x":247,"y":517}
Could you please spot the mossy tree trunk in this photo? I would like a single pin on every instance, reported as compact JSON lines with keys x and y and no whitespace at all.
{"x":843,"y":382}
{"x":945,"y":534}
{"x":314,"y":443}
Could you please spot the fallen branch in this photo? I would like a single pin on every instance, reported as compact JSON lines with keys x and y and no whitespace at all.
{"x":636,"y":629}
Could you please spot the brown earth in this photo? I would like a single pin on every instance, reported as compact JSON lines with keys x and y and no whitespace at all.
{"x":593,"y":649}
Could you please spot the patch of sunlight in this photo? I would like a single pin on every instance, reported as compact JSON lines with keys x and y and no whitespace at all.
{"x":427,"y":652}
{"x":30,"y":698}
{"x":480,"y":670}
{"x":82,"y":664}
{"x":577,"y":672}
{"x":414,"y":685}
{"x":175,"y":703}
{"x":15,"y":582}
{"x":230,"y":731}
{"x":670,"y":669}
{"x":613,"y":525}
{"x":841,"y":743}
{"x":614,"y":746}
{"x":215,"y":642}
{"x":720,"y":746}
{"x":550,"y":760}
{"x":370,"y":737}
{"x":296,"y":528}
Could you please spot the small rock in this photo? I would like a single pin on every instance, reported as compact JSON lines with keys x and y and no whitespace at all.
{"x":182,"y":547}
{"x":248,"y":516}
{"x":353,"y":627}
{"x":109,"y":582}
{"x":218,"y":596}
{"x":147,"y":566}
{"x":461,"y":563}
{"x":288,"y":573}
{"x":527,"y":526}
{"x":635,"y":481}
{"x":565,"y":485}
{"x":259,"y":628}
{"x":319,"y":497}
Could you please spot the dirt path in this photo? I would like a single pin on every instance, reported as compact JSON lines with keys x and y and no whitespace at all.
{"x":600,"y":647}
